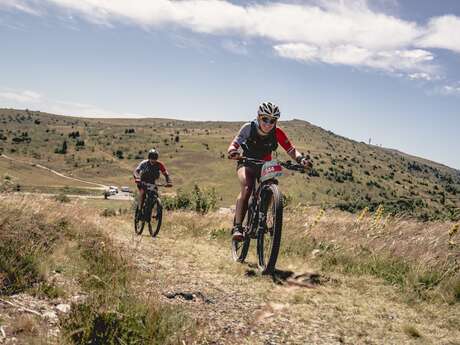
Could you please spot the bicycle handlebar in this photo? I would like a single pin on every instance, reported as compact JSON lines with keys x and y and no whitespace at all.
{"x":153,"y":184}
{"x":287,"y":164}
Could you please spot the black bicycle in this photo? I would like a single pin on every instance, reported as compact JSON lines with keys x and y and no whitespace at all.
{"x":264,"y":218}
{"x":151,"y":213}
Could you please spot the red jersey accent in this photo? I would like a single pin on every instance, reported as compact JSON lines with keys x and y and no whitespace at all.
{"x":283,"y":140}
{"x":162,"y":167}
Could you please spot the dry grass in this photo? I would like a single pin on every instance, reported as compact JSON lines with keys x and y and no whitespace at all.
{"x":113,"y":311}
{"x":25,"y":325}
{"x":412,"y":256}
{"x":356,"y":307}
{"x":354,"y":304}
{"x":411,"y":331}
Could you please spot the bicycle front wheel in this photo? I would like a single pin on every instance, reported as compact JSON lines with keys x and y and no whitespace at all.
{"x":157,"y":217}
{"x":269,"y":230}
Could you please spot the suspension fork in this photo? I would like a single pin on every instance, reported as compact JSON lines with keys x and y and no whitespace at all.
{"x":261,"y":215}
{"x":253,"y":209}
{"x":262,"y":222}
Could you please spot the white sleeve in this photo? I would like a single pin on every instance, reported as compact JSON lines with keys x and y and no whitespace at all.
{"x":243,"y":135}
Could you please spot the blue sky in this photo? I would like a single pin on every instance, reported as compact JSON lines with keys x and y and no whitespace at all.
{"x":382,"y":69}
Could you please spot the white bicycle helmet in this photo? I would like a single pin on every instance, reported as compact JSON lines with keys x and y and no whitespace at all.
{"x":269,"y":109}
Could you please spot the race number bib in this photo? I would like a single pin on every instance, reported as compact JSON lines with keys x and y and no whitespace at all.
{"x":270,"y":169}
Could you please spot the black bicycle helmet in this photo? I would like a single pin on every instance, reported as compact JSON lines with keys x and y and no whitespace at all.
{"x":153,"y":154}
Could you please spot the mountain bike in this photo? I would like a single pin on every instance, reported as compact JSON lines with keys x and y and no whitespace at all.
{"x":264,"y":217}
{"x":151,"y":213}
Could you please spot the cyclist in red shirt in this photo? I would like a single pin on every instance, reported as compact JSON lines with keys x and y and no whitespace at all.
{"x":149,"y":171}
{"x":258,"y":139}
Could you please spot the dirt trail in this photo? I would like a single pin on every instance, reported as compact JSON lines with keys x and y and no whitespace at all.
{"x":235,"y":305}
{"x":99,"y":185}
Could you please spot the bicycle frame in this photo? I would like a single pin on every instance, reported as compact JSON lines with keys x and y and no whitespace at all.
{"x":151,"y":197}
{"x":254,"y":208}
{"x":258,"y":217}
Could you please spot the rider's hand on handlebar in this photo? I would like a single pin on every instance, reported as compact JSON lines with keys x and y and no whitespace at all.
{"x":234,"y":155}
{"x":307,"y":163}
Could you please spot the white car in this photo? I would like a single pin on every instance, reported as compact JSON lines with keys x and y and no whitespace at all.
{"x":125,"y":189}
{"x":113,"y":190}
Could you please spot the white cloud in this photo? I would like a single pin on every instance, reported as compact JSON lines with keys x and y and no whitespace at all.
{"x":347,"y":32}
{"x":35,"y":100}
{"x":21,"y":96}
{"x":239,"y":48}
{"x":420,"y":76}
{"x":442,"y":32}
{"x":390,"y":60}
{"x":20,"y":5}
{"x":450,"y":90}
{"x":335,"y":22}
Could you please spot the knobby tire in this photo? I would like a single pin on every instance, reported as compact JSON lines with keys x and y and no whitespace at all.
{"x":269,"y":238}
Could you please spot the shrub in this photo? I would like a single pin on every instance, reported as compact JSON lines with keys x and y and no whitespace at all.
{"x":201,"y":201}
{"x":63,"y":149}
{"x":108,"y":212}
{"x":62,"y":198}
{"x":204,"y":201}
{"x":119,"y":154}
{"x":180,"y":201}
{"x":287,"y":200}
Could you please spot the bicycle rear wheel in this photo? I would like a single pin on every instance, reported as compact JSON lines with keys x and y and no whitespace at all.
{"x":240,"y":248}
{"x":157,"y":217}
{"x":269,"y":232}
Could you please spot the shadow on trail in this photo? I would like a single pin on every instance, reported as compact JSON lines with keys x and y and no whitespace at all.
{"x":307,"y":279}
{"x":290,"y":278}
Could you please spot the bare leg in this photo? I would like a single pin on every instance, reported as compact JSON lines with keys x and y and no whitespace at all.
{"x":141,"y":198}
{"x":247,"y":179}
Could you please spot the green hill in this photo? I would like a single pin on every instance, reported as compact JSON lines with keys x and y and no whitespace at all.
{"x":348,"y":175}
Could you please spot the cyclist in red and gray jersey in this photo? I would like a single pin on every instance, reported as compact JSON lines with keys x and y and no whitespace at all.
{"x":258,"y":139}
{"x":149,"y":171}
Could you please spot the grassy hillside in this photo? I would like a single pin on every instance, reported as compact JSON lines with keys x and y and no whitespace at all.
{"x":348,"y":175}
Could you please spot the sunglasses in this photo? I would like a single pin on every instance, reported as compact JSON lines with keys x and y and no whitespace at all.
{"x":268,"y":120}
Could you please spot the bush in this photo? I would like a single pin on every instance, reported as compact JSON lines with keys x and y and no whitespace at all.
{"x":108,"y":212}
{"x":204,"y":201}
{"x":62,"y":198}
{"x":62,"y":150}
{"x":119,"y":154}
{"x":201,"y":201}
{"x":180,"y":201}
{"x":287,"y":200}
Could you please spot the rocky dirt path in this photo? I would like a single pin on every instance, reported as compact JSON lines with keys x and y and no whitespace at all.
{"x":236,"y":305}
